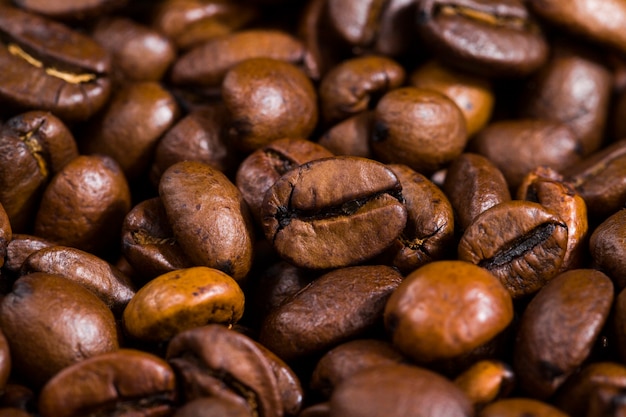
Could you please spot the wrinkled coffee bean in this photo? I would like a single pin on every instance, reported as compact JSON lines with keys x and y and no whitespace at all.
{"x":520,"y":242}
{"x":98,"y":276}
{"x":117,"y":383}
{"x":558,"y":328}
{"x":21,"y":247}
{"x":51,"y":322}
{"x":487,"y":37}
{"x":334,"y":212}
{"x":446,"y":309}
{"x":70,"y":70}
{"x":181,"y":300}
{"x":209,"y":217}
{"x":338,"y":306}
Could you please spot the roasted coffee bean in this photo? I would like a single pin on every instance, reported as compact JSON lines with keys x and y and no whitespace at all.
{"x":518,"y":146}
{"x":70,"y":10}
{"x":263,"y":167}
{"x":608,"y":248}
{"x":339,"y":306}
{"x":34,"y":146}
{"x":345,"y":360}
{"x":429,"y":232}
{"x":138,"y":52}
{"x":267,"y":100}
{"x":558,"y":329}
{"x":213,"y":406}
{"x":574,"y":396}
{"x":520,"y":242}
{"x":18,"y":396}
{"x":190,"y":23}
{"x":196,"y":137}
{"x":206,"y":65}
{"x":97,"y":275}
{"x":600,"y":180}
{"x":51,"y":323}
{"x":130,"y":126}
{"x":486,"y":381}
{"x":69,"y":69}
{"x":84,"y":205}
{"x":21,"y":247}
{"x":486,"y":37}
{"x":520,"y":407}
{"x":350,"y":136}
{"x":474,"y":184}
{"x":209,"y":217}
{"x":573,"y":88}
{"x":354,"y":85}
{"x":5,"y":362}
{"x":217,"y":362}
{"x":334,"y":212}
{"x":548,"y":188}
{"x":6,"y":234}
{"x":148,"y":241}
{"x":124,"y":382}
{"x":422,"y":129}
{"x":472,"y":94}
{"x":598,"y":21}
{"x":446,"y":309}
{"x":181,"y":300}
{"x":393,"y":390}
{"x":356,"y":21}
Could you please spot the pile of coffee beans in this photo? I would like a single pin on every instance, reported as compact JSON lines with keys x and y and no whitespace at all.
{"x":313,"y":208}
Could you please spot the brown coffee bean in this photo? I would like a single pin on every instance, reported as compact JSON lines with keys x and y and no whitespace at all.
{"x":217,"y":362}
{"x":118,"y":383}
{"x":446,"y":309}
{"x":209,"y":217}
{"x":345,"y":360}
{"x":18,"y":396}
{"x":190,"y":23}
{"x":196,"y":137}
{"x":474,"y":184}
{"x":520,"y":407}
{"x":486,"y":37}
{"x":69,"y":69}
{"x":148,"y":241}
{"x":317,"y":410}
{"x":139,"y":53}
{"x":5,"y":362}
{"x":354,"y":85}
{"x":206,"y":65}
{"x":575,"y":394}
{"x":356,"y":21}
{"x":608,"y":248}
{"x":69,"y":10}
{"x":267,"y":100}
{"x":334,"y":212}
{"x":263,"y":167}
{"x":51,"y":323}
{"x":97,"y":275}
{"x":181,"y":300}
{"x":558,"y":329}
{"x":129,"y":128}
{"x":486,"y":381}
{"x":472,"y":94}
{"x":518,"y":146}
{"x":84,"y":205}
{"x":573,"y":88}
{"x":548,"y":188}
{"x":34,"y":146}
{"x":350,"y":136}
{"x":422,"y":129}
{"x":6,"y":235}
{"x":212,"y":406}
{"x":429,"y":232}
{"x":21,"y":247}
{"x":600,"y":22}
{"x":600,"y":179}
{"x":520,"y":242}
{"x":338,"y":306}
{"x":393,"y":390}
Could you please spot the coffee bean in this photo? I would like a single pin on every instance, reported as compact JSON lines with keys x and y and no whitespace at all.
{"x":520,"y":407}
{"x":608,"y":248}
{"x":334,"y":212}
{"x":70,"y":10}
{"x":486,"y":381}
